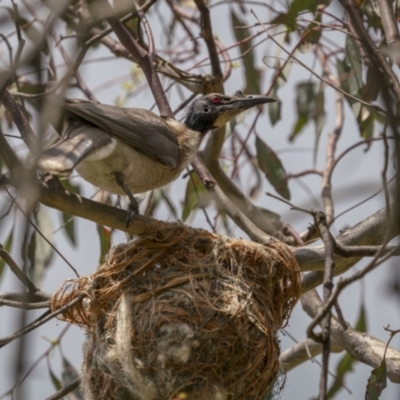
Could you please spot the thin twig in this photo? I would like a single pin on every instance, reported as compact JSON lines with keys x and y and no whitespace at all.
{"x":20,"y":121}
{"x":365,"y":200}
{"x":374,"y":52}
{"x":17,"y":169}
{"x":292,"y":206}
{"x":65,"y":390}
{"x":385,"y":169}
{"x":343,"y":283}
{"x":25,"y":306}
{"x":35,"y":363}
{"x":17,"y":270}
{"x":224,"y":202}
{"x":146,"y":60}
{"x":373,"y":106}
{"x":47,"y":316}
{"x":40,"y":233}
{"x":326,"y":193}
{"x":207,"y":35}
{"x":327,"y":238}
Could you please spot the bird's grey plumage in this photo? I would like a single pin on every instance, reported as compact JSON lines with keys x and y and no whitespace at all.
{"x":139,"y":128}
{"x":120,"y":149}
{"x":80,"y":140}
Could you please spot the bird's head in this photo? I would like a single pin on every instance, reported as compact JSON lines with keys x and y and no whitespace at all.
{"x":214,"y":110}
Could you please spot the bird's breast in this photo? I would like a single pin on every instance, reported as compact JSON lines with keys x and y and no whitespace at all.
{"x":141,"y":173}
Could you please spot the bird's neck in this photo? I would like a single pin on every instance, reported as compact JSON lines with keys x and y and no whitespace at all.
{"x":199,"y":123}
{"x":188,"y":140}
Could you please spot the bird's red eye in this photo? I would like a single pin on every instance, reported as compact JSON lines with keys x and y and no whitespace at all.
{"x":215,"y":99}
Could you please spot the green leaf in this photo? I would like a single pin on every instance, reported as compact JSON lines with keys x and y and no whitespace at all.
{"x":252,"y":74}
{"x":68,"y":219}
{"x":365,"y":121}
{"x":30,"y":87}
{"x":319,"y":119}
{"x":132,"y":24}
{"x":361,"y":324}
{"x":153,"y":203}
{"x":377,"y":382}
{"x":373,"y":84}
{"x":353,"y":60}
{"x":270,"y":164}
{"x":105,"y":241}
{"x":305,"y":104}
{"x":300,"y":124}
{"x":7,"y":247}
{"x":274,"y":109}
{"x":56,"y":382}
{"x":69,"y":227}
{"x":170,"y":35}
{"x":68,"y":375}
{"x":343,"y":72}
{"x":296,"y":7}
{"x":350,"y":74}
{"x":345,"y":365}
{"x":194,"y":191}
{"x":71,"y":187}
{"x":40,"y":252}
{"x":315,"y":31}
{"x":169,"y":204}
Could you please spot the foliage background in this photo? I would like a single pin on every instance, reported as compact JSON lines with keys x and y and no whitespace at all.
{"x":306,"y":116}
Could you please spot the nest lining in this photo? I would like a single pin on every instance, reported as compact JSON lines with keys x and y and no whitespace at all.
{"x":183,"y":314}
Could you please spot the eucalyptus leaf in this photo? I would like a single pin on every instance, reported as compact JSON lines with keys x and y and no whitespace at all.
{"x":377,"y":382}
{"x":7,"y":247}
{"x":252,"y":74}
{"x":105,"y":241}
{"x":272,"y":166}
{"x":194,"y":191}
{"x":40,"y":251}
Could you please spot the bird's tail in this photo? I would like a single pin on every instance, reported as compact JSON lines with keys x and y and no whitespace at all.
{"x":80,"y":142}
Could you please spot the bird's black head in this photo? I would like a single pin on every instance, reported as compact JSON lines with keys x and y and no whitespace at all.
{"x":215,"y":110}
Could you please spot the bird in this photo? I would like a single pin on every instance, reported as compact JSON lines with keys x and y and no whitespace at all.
{"x":132,"y":150}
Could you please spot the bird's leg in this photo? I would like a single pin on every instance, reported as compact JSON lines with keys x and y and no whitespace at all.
{"x":133,"y":207}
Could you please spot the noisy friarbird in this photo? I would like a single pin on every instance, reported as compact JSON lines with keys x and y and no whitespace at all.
{"x":132,"y":150}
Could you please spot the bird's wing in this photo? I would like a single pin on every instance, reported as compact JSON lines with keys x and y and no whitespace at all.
{"x":138,"y":128}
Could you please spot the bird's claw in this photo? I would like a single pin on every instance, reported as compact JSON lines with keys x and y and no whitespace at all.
{"x":131,"y":211}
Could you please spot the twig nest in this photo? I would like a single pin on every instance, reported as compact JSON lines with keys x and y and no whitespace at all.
{"x":183,"y":314}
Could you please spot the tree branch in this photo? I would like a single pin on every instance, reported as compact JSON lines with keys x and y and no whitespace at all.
{"x":17,"y":270}
{"x":375,"y":54}
{"x":146,"y":60}
{"x":363,"y":347}
{"x":321,"y":222}
{"x":53,"y":194}
{"x":207,"y":35}
{"x":47,"y":316}
{"x":224,"y":202}
{"x":391,"y":28}
{"x":303,"y":351}
{"x":371,"y":231}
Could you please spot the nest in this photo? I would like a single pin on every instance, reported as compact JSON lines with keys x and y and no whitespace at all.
{"x":183,"y":314}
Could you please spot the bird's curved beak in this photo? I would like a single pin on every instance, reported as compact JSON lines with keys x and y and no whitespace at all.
{"x":234,"y":105}
{"x":242,"y":102}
